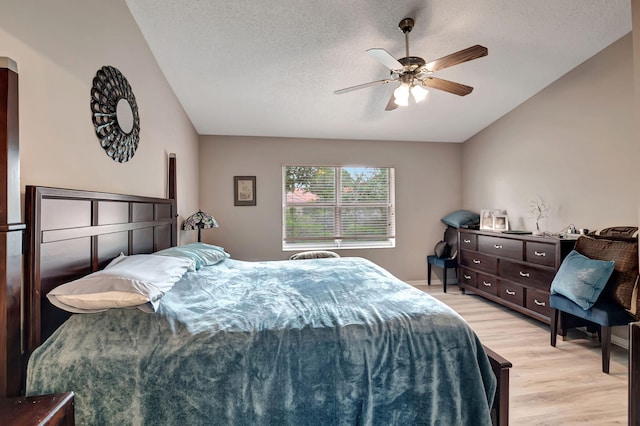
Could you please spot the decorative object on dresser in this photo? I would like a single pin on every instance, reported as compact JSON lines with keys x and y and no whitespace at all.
{"x":244,"y":190}
{"x":487,"y":218}
{"x":595,"y":288}
{"x":50,"y":410}
{"x":539,"y":210}
{"x":501,"y":222}
{"x":511,"y":269}
{"x":115,"y":114}
{"x":199,"y":220}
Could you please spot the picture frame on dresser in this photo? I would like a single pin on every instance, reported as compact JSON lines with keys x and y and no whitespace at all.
{"x":487,"y":218}
{"x":501,"y":222}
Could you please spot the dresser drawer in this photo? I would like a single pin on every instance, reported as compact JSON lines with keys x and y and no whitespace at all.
{"x":503,"y":247}
{"x":538,"y":301}
{"x":479,"y":261}
{"x":514,"y":293}
{"x":468,"y":277}
{"x":488,"y":284}
{"x":541,"y":253}
{"x":526,"y":274}
{"x":468,"y":241}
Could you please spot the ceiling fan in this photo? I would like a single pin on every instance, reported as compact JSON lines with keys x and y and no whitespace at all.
{"x":414,"y":74}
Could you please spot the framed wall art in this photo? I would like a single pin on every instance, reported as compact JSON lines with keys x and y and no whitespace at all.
{"x":244,"y":190}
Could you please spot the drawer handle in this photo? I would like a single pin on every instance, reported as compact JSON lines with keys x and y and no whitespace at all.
{"x":539,"y":253}
{"x":497,"y":246}
{"x":486,"y":284}
{"x":466,"y":241}
{"x":476,"y":261}
{"x":524,"y":274}
{"x":537,"y":302}
{"x":467,"y":277}
{"x":510,"y":293}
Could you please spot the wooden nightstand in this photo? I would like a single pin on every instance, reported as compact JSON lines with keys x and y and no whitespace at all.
{"x":51,"y":410}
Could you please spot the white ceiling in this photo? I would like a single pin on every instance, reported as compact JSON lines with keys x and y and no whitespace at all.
{"x":269,"y":68}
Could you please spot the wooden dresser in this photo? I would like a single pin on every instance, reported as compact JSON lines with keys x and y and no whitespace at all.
{"x":511,"y":269}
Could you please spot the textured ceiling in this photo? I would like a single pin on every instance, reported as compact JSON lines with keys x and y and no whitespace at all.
{"x":269,"y":68}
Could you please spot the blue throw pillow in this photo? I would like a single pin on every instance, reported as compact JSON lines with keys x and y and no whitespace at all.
{"x":581,"y":279}
{"x":461,"y":218}
{"x":200,"y":253}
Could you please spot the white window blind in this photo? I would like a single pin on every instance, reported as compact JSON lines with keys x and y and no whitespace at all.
{"x":331,"y":207}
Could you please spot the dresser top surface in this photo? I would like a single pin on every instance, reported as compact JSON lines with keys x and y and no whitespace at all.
{"x":523,"y":237}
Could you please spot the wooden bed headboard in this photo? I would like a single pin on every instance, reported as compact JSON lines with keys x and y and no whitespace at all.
{"x":71,"y":233}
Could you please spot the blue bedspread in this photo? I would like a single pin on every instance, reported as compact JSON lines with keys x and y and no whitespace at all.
{"x":311,"y":342}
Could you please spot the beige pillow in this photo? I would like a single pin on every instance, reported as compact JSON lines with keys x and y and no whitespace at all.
{"x":139,"y":280}
{"x":104,"y":300}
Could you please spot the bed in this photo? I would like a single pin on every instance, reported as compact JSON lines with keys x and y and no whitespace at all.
{"x":325,"y":341}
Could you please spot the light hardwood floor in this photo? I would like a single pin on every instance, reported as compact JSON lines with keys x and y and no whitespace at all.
{"x":548,"y":386}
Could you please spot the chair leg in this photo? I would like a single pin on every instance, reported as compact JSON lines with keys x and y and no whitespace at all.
{"x":606,"y":347}
{"x":444,"y":279}
{"x":429,"y":274}
{"x":554,"y":327}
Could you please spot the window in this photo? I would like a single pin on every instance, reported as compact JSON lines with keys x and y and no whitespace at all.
{"x":338,"y":207}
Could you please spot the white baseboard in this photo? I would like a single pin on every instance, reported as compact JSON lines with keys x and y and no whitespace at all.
{"x":620,"y":341}
{"x":423,"y":283}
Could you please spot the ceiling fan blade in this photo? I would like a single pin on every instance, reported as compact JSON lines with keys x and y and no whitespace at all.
{"x":468,"y":54}
{"x":362,"y":86}
{"x":447,"y":86}
{"x":385,"y":58}
{"x":391,"y":105}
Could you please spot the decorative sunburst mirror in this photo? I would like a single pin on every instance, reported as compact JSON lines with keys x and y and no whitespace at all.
{"x":115,"y":114}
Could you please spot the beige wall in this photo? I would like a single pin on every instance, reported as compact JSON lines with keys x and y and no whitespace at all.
{"x":58,"y":47}
{"x":428,"y":186}
{"x":574,"y":144}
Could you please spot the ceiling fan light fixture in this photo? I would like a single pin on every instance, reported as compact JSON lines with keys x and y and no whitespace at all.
{"x":419,"y":93}
{"x":401,"y":95}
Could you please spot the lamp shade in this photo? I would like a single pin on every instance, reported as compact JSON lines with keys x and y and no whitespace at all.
{"x":402,"y":95}
{"x":199,"y":220}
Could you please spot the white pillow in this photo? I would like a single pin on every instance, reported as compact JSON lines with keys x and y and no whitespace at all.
{"x":127,"y":281}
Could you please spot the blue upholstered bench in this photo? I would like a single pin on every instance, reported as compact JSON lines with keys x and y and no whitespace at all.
{"x":578,"y":280}
{"x":445,"y":264}
{"x":604,"y":313}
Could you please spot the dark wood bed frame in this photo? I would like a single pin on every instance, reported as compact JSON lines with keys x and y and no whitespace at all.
{"x":634,"y":374}
{"x":71,"y":233}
